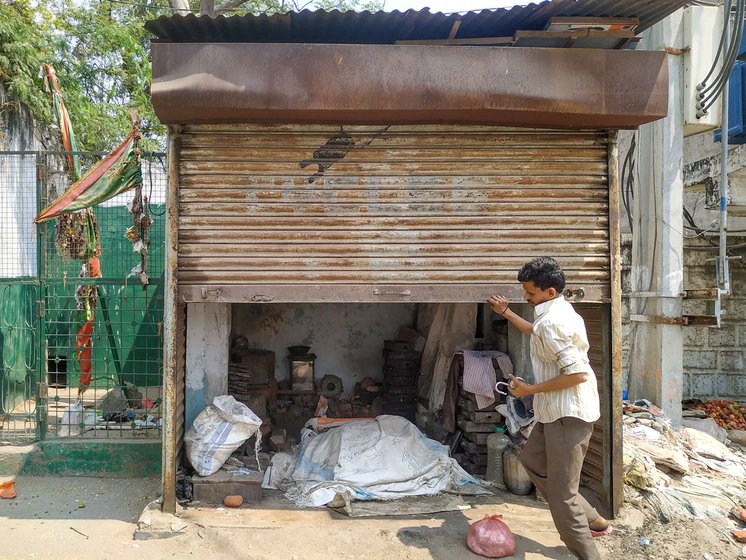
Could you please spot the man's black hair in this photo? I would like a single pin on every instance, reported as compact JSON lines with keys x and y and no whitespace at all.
{"x":544,"y":272}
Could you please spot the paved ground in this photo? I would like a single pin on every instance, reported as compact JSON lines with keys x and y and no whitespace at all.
{"x":94,"y":518}
{"x":67,"y":518}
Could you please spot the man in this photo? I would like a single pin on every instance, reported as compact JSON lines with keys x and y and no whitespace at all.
{"x":565,"y":400}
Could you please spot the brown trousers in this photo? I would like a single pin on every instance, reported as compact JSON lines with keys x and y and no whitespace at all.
{"x":553,"y":457}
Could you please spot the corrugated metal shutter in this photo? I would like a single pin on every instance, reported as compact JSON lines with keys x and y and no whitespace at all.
{"x":604,"y":450}
{"x":371,"y":213}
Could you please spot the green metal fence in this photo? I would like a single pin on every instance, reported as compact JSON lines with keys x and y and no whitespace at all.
{"x":44,"y":391}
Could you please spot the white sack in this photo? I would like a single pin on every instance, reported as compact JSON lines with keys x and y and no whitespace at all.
{"x":383,"y":458}
{"x":218,"y":431}
{"x":280,"y":468}
{"x":72,"y":418}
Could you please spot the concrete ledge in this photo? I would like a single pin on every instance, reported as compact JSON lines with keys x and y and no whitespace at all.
{"x":115,"y":459}
{"x":13,"y":457}
{"x":155,"y":524}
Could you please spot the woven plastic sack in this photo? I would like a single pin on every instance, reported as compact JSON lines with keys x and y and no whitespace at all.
{"x":218,"y":431}
{"x":72,"y":419}
{"x":491,"y":537}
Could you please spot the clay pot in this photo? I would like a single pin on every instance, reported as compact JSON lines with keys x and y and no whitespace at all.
{"x":233,"y":501}
{"x":8,"y":489}
{"x":298,"y":350}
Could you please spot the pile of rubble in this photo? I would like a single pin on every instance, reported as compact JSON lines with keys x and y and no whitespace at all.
{"x":692,"y":472}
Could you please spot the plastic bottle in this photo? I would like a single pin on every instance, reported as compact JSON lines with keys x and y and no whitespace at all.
{"x":496,"y":443}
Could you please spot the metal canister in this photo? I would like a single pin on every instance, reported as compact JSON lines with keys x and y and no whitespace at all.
{"x":516,"y":477}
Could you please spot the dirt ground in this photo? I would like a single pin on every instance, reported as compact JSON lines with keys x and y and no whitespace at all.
{"x":683,"y":539}
{"x":95,"y":518}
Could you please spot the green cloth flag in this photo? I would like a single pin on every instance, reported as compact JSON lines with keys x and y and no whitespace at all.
{"x":117,"y":172}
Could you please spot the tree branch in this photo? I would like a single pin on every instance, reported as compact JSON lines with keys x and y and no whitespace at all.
{"x":228,"y":5}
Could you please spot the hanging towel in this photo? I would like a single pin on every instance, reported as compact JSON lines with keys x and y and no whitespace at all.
{"x":479,"y":374}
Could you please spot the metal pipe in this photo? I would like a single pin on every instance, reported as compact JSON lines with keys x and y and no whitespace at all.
{"x":41,"y":304}
{"x":614,"y":396}
{"x":723,"y":272}
{"x":170,"y":394}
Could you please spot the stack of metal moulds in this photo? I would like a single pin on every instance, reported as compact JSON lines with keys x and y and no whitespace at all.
{"x":475,"y":424}
{"x":401,"y":368}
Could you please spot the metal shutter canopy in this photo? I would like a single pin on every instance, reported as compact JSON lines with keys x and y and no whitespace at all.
{"x":387,"y":213}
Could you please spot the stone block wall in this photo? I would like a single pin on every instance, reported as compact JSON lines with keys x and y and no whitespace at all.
{"x":714,"y":358}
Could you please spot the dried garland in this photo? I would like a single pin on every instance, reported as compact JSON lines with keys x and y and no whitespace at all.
{"x":138,"y":231}
{"x":77,"y":235}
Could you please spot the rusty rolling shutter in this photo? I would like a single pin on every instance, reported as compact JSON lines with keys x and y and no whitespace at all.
{"x":387,"y":213}
{"x":602,"y":457}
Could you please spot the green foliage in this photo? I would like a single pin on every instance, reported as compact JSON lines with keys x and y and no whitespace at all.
{"x":100,"y":52}
{"x":22,"y":50}
{"x":103,"y":66}
{"x":344,"y":5}
{"x":283,"y":6}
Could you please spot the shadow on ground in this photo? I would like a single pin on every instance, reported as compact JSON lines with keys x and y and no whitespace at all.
{"x":449,"y":539}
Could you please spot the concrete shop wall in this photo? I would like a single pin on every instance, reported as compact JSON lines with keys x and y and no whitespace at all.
{"x":713,"y":358}
{"x":208,"y":327}
{"x":346,"y":338}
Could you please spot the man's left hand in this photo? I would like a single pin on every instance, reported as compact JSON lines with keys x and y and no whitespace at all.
{"x":518,"y":387}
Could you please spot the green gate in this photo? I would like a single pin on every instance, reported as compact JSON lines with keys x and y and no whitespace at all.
{"x":42,"y":391}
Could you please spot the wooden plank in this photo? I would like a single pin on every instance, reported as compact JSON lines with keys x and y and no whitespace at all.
{"x":408,"y":505}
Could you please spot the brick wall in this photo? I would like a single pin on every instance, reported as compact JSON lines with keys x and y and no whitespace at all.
{"x":714,"y":358}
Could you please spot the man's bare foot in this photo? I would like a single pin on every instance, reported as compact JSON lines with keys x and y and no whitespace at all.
{"x":599,"y":524}
{"x":600,"y":527}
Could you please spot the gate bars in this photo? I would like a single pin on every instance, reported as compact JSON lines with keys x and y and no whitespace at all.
{"x":39,"y":276}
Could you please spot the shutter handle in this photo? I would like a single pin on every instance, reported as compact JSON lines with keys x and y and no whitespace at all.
{"x":577,"y":294}
{"x":383,"y":292}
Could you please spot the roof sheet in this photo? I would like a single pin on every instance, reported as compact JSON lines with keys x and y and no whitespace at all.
{"x":389,"y":27}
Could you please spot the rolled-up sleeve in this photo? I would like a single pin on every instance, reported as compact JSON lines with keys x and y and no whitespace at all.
{"x":559,"y":341}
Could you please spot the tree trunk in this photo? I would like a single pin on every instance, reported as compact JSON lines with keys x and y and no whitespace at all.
{"x":207,"y":7}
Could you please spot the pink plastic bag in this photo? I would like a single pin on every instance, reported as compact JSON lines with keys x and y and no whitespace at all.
{"x":491,"y":537}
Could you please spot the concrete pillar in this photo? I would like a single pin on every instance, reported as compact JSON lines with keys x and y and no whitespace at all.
{"x":207,"y":345}
{"x":656,"y":348}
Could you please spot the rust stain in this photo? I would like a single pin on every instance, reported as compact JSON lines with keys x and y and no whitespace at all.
{"x":335,"y":148}
{"x":623,"y":88}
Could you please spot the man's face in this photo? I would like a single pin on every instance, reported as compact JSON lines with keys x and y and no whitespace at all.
{"x":535,"y":295}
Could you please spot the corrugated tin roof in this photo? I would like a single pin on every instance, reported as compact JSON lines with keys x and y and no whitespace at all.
{"x":389,"y":27}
